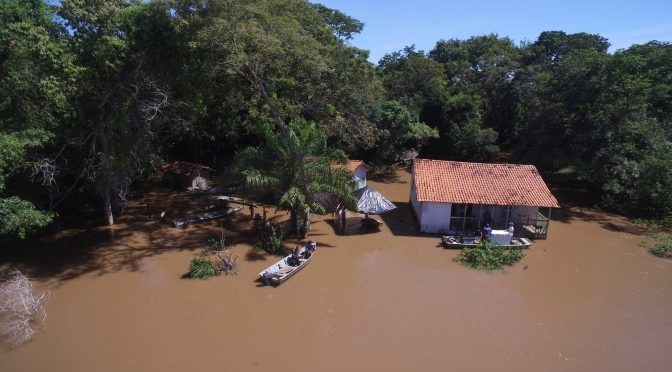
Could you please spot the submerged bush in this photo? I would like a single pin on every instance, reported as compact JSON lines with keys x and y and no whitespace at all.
{"x":201,"y":268}
{"x":226,"y":263}
{"x":662,"y":247}
{"x":489,"y":256}
{"x":270,"y":239}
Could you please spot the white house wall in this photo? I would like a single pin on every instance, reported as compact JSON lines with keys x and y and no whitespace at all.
{"x":359,"y":177}
{"x":434,"y":217}
{"x":414,"y":200}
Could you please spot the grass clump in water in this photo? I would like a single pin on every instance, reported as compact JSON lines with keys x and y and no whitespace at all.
{"x":489,"y":256}
{"x":662,"y":247}
{"x":201,"y":268}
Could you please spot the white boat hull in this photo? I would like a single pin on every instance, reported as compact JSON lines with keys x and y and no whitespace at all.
{"x":451,"y":241}
{"x":282,"y":270}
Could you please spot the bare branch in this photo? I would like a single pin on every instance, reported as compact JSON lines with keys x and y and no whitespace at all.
{"x":150,"y":108}
{"x":45,"y":172}
{"x":20,"y":310}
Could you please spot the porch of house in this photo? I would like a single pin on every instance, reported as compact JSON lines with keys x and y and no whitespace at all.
{"x":528,"y":222}
{"x":535,"y":228}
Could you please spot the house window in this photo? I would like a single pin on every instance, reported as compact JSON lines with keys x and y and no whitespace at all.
{"x":457,"y":210}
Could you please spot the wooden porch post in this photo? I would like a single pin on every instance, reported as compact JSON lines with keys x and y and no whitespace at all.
{"x":464,"y":217}
{"x":548,"y":223}
{"x":480,"y":217}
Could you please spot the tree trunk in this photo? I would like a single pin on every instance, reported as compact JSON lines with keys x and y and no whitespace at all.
{"x":107,"y":207}
{"x":294,"y":220}
{"x":306,"y":224}
{"x":102,"y":137}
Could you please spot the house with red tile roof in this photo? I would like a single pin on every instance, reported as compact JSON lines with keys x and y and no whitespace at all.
{"x":186,"y":175}
{"x":449,"y":197}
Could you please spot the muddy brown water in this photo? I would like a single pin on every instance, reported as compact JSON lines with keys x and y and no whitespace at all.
{"x":588,"y":298}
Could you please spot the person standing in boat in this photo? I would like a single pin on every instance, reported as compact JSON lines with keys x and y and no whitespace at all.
{"x":308,"y":249}
{"x":511,"y":229}
{"x":487,"y":231}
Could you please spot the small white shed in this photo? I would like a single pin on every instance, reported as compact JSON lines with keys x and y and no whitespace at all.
{"x":358,"y":169}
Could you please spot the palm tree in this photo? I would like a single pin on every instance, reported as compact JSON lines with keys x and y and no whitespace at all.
{"x":297,"y":168}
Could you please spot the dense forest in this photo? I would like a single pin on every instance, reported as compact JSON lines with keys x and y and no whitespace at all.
{"x":96,"y":95}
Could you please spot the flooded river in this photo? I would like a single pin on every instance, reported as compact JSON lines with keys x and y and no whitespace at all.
{"x":589,"y":298}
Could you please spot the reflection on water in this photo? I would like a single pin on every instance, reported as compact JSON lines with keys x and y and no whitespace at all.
{"x":588,"y":298}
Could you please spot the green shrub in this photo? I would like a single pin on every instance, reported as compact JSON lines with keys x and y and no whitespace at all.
{"x":489,"y":256}
{"x":201,"y":268}
{"x":270,"y":239}
{"x":662,"y":247}
{"x":666,"y":221}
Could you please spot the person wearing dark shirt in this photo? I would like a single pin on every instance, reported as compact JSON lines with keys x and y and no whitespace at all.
{"x":487,"y":231}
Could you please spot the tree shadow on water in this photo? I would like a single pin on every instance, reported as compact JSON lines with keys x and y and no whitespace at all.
{"x":83,"y":250}
{"x":606,"y":220}
{"x":390,"y":175}
{"x":401,"y":221}
{"x":353,"y":226}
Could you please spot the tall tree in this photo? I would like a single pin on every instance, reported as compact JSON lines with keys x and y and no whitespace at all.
{"x":401,"y":133}
{"x":120,"y":101}
{"x":484,"y":67}
{"x":299,"y":181}
{"x":36,"y":80}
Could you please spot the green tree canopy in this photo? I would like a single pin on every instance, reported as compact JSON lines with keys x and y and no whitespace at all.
{"x":297,"y":182}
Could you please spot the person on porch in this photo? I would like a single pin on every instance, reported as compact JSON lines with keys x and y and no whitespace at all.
{"x":487,"y":231}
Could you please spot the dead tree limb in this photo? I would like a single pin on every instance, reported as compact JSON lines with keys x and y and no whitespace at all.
{"x":21,"y":311}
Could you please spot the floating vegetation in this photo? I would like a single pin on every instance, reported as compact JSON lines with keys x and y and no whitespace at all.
{"x":489,"y":256}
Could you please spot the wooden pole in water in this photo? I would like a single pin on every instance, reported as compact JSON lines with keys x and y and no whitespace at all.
{"x":548,"y":223}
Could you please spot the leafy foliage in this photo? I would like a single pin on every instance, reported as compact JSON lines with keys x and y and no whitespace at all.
{"x":662,"y":247}
{"x":19,"y":217}
{"x":489,"y":256}
{"x":270,"y":239}
{"x":201,"y":267}
{"x":400,"y":132}
{"x":297,"y":169}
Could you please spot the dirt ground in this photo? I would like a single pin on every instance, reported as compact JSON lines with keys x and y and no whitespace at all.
{"x":588,"y":298}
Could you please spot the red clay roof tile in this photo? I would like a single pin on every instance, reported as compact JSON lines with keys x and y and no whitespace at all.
{"x":351,"y":165}
{"x":479,"y":183}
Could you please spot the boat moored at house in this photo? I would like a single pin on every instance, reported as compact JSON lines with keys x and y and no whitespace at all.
{"x":506,"y":241}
